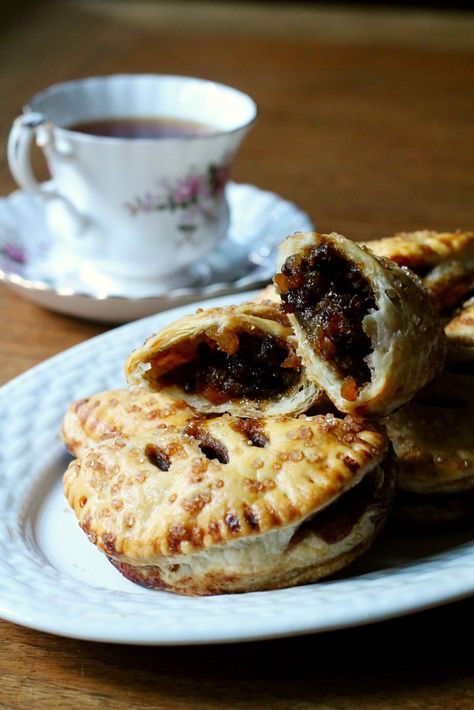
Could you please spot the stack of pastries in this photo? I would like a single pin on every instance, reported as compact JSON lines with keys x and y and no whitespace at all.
{"x":259,"y":446}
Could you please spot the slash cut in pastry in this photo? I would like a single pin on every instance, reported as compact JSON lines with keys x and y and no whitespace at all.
{"x":460,"y":334}
{"x":433,"y":441}
{"x":240,"y":359}
{"x":366,"y":329}
{"x":234,"y":505}
{"x":444,"y":260}
{"x":120,"y":413}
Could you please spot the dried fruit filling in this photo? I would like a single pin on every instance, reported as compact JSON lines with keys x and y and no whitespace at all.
{"x":330,"y":298}
{"x":335,"y":522}
{"x":260,"y":368}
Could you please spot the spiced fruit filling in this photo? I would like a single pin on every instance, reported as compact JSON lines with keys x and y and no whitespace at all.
{"x":335,"y":522}
{"x":330,"y":298}
{"x":260,"y":368}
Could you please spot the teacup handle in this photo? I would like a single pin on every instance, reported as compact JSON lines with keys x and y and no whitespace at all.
{"x":26,"y":128}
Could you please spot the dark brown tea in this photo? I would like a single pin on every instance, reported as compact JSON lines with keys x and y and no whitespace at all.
{"x":143,"y":127}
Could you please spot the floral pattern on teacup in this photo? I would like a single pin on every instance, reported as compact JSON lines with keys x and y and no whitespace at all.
{"x":193,"y":197}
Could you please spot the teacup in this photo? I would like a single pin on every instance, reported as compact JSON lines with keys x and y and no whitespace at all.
{"x":139,"y":165}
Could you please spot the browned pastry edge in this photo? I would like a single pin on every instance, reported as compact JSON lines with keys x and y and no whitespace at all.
{"x":460,"y":334}
{"x":433,"y":438}
{"x":443,"y":260}
{"x":327,"y":523}
{"x":119,"y":413}
{"x":424,"y":249}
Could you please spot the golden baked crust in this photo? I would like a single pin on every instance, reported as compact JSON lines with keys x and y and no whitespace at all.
{"x":460,"y":334}
{"x":445,"y":261}
{"x":433,"y":438}
{"x":366,"y":329}
{"x":238,"y":343}
{"x":223,"y":508}
{"x":120,"y":413}
{"x":424,"y":249}
{"x":318,"y":548}
{"x":449,"y":283}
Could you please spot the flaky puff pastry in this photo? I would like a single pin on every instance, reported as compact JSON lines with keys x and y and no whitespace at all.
{"x":433,"y":440}
{"x":239,"y":359}
{"x":120,"y":413}
{"x":234,"y":505}
{"x":444,"y":260}
{"x":366,"y":329}
{"x":460,"y":334}
{"x":424,"y":248}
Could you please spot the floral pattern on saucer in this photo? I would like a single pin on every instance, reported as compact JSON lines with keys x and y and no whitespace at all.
{"x":11,"y":252}
{"x":32,"y":264}
{"x":16,"y":253}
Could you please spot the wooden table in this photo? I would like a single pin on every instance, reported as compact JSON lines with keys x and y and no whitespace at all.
{"x":366,"y":123}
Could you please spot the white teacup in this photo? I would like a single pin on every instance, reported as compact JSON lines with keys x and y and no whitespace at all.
{"x":133,"y":208}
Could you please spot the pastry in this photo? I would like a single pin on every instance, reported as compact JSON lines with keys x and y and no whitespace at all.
{"x":448,"y":284}
{"x":460,"y":333}
{"x":234,"y":505}
{"x":239,"y":359}
{"x":366,"y":329}
{"x":433,"y":441}
{"x":422,"y":250}
{"x":269,"y":293}
{"x":119,"y":413}
{"x":444,"y":260}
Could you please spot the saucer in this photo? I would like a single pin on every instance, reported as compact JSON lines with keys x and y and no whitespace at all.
{"x":54,"y":279}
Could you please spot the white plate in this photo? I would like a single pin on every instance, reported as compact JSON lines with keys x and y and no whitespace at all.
{"x":53,"y":579}
{"x":29,"y":264}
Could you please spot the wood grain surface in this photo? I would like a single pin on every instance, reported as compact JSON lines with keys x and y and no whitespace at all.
{"x":368,"y":137}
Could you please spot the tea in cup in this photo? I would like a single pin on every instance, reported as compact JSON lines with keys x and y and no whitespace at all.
{"x":139,"y":165}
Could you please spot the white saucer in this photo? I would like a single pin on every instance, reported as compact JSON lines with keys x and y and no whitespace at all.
{"x":245,"y":260}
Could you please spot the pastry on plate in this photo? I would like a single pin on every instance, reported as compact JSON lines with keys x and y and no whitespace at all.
{"x":444,"y":260}
{"x":119,"y":413}
{"x":239,"y":359}
{"x":424,"y":249}
{"x":234,"y":505}
{"x":460,"y":334}
{"x":433,"y":441}
{"x":449,"y":283}
{"x":366,"y":329}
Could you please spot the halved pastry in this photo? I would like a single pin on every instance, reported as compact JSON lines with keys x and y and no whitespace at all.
{"x":366,"y":329}
{"x":460,"y":334}
{"x":239,"y":359}
{"x":120,"y":413}
{"x":433,"y":441}
{"x":234,"y":505}
{"x":444,"y":260}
